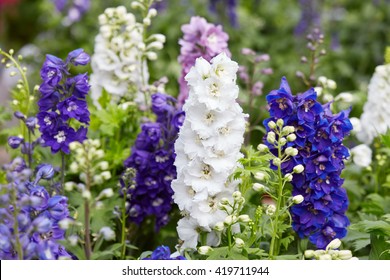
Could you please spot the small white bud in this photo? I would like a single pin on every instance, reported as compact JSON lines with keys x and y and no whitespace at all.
{"x":106,"y":193}
{"x":282,"y":141}
{"x":272,"y":125}
{"x":219,"y":226}
{"x":74,"y":167}
{"x":15,"y":102}
{"x":271,"y":137}
{"x":291,"y":138}
{"x":344,"y":254}
{"x":147,"y":21}
{"x":83,"y":177}
{"x":244,"y":218}
{"x":151,"y":55}
{"x":290,"y":151}
{"x":98,"y":179}
{"x":204,"y":250}
{"x":239,"y":243}
{"x":298,"y":168}
{"x":262,"y":148}
{"x":103,"y":165}
{"x":36,"y":87}
{"x":258,"y":187}
{"x":344,"y":97}
{"x":73,"y":239}
{"x":309,"y":254}
{"x":229,"y":220}
{"x":152,"y":13}
{"x":277,"y":161}
{"x":334,"y":244}
{"x":65,"y":223}
{"x":158,"y":37}
{"x":280,"y":122}
{"x":99,"y":154}
{"x":68,"y":186}
{"x":288,"y":129}
{"x":73,"y":146}
{"x":106,"y":175}
{"x":325,"y":257}
{"x":237,"y":195}
{"x":322,"y":80}
{"x":155,"y":45}
{"x":331,"y":84}
{"x":298,"y":199}
{"x":86,"y":194}
{"x":288,"y":177}
{"x":261,"y":176}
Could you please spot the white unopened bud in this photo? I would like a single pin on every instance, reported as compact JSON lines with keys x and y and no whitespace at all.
{"x":204,"y":250}
{"x":147,"y":21}
{"x":271,"y":137}
{"x":334,"y":244}
{"x":298,"y":168}
{"x":291,"y":138}
{"x":106,"y":175}
{"x":229,"y":220}
{"x":224,"y":201}
{"x":65,"y":223}
{"x":239,"y":243}
{"x":151,"y":55}
{"x":155,"y":45}
{"x":258,"y":187}
{"x":86,"y":194}
{"x":288,"y":177}
{"x":99,"y":154}
{"x":288,"y":129}
{"x":73,"y":239}
{"x":244,"y":218}
{"x":298,"y":199}
{"x":325,"y":257}
{"x":262,"y":148}
{"x":277,"y":161}
{"x":344,"y":254}
{"x":237,"y":195}
{"x":272,"y":125}
{"x":290,"y":151}
{"x":261,"y":176}
{"x":345,"y":97}
{"x":282,"y":141}
{"x":219,"y":226}
{"x":68,"y":186}
{"x":280,"y":122}
{"x":103,"y":165}
{"x":106,"y":193}
{"x":309,"y":254}
{"x":97,"y":179}
{"x":74,"y":167}
{"x":107,"y":233}
{"x":331,"y":84}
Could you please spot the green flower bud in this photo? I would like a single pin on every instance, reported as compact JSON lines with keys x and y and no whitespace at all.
{"x":288,"y":177}
{"x":272,"y":125}
{"x":239,"y":243}
{"x":204,"y":250}
{"x":262,"y":148}
{"x":244,"y":218}
{"x":277,"y":161}
{"x":270,"y":210}
{"x":282,"y":141}
{"x":325,"y":257}
{"x":258,"y":187}
{"x":260,"y":175}
{"x":344,"y":254}
{"x":298,"y":168}
{"x":290,"y":151}
{"x":280,"y":122}
{"x":291,"y":138}
{"x":309,"y":254}
{"x":237,"y":195}
{"x":334,"y":244}
{"x":219,"y":226}
{"x":298,"y":199}
{"x":271,"y":137}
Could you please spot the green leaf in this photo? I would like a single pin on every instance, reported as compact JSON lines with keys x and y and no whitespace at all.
{"x":374,"y":227}
{"x":380,"y":248}
{"x":218,"y":253}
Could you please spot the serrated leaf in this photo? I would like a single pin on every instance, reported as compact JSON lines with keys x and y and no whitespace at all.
{"x":375,"y":227}
{"x":218,"y":253}
{"x":379,"y":248}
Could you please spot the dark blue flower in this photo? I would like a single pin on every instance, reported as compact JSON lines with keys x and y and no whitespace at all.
{"x":78,"y":57}
{"x":60,"y":139}
{"x":49,"y":102}
{"x":79,"y":84}
{"x":308,"y":108}
{"x":74,"y":108}
{"x":48,"y":121}
{"x":53,"y":70}
{"x":281,"y":101}
{"x":14,"y":141}
{"x":163,"y":253}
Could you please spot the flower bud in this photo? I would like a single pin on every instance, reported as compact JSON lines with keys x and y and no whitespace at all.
{"x":106,"y":175}
{"x":204,"y":250}
{"x":229,"y":220}
{"x":224,"y":201}
{"x":298,"y":168}
{"x":325,"y":257}
{"x":237,"y":195}
{"x":14,"y":141}
{"x":262,"y":148}
{"x":277,"y":161}
{"x":309,"y":254}
{"x":239,"y":243}
{"x":271,"y":137}
{"x":86,"y":194}
{"x":74,"y":167}
{"x":290,"y":151}
{"x":244,"y":218}
{"x":65,"y":223}
{"x":271,"y":124}
{"x":288,"y":129}
{"x":282,"y":141}
{"x":106,"y":193}
{"x":298,"y":199}
{"x":291,"y":138}
{"x":219,"y":226}
{"x":344,"y":254}
{"x":280,"y":122}
{"x":288,"y":177}
{"x":103,"y":165}
{"x":261,"y":176}
{"x":258,"y":187}
{"x":334,"y":244}
{"x":69,"y":186}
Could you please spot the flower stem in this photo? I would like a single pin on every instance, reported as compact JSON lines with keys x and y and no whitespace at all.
{"x":87,"y":236}
{"x":29,"y":150}
{"x":123,"y":237}
{"x":229,"y":235}
{"x":62,"y":171}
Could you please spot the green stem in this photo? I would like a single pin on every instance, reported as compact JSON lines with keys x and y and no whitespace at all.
{"x":123,"y":237}
{"x":229,"y":235}
{"x":29,"y":150}
{"x":87,"y":236}
{"x":62,"y":171}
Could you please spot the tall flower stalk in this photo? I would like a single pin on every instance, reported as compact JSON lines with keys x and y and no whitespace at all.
{"x":207,"y":150}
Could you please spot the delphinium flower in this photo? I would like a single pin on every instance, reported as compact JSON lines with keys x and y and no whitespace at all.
{"x":229,"y":7}
{"x":200,"y":39}
{"x":30,"y":217}
{"x":74,"y":9}
{"x":119,"y":60}
{"x":152,"y":157}
{"x":63,"y":101}
{"x":318,"y":138}
{"x":375,"y":119}
{"x":207,"y":149}
{"x":163,"y":253}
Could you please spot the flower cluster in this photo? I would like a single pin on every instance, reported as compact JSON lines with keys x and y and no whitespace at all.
{"x":30,"y":217}
{"x":164,"y":253}
{"x":119,"y":60}
{"x":375,"y":119}
{"x":331,"y":252}
{"x":63,"y":98}
{"x":318,"y":143}
{"x":200,"y":39}
{"x":208,"y":148}
{"x":152,"y":157}
{"x":74,"y":9}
